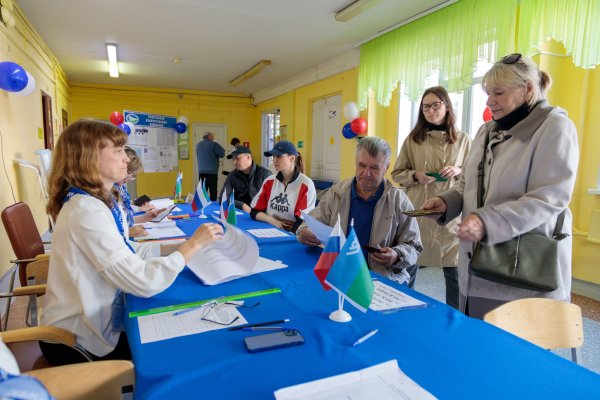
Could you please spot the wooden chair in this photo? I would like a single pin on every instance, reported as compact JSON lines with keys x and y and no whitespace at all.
{"x":92,"y":380}
{"x":550,"y":324}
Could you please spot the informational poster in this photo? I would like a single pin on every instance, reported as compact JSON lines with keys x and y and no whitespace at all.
{"x":154,"y":139}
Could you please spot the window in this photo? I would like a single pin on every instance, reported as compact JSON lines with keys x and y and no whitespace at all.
{"x":271,"y":133}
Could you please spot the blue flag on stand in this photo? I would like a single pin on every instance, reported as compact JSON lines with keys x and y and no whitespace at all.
{"x":201,"y":198}
{"x":231,"y":214}
{"x":177,"y":190}
{"x":349,"y":275}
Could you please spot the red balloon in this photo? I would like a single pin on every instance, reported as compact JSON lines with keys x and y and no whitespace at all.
{"x":359,"y":126}
{"x":116,"y":118}
{"x":487,"y":114}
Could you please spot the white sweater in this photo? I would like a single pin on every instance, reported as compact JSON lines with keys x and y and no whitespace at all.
{"x":89,"y":263}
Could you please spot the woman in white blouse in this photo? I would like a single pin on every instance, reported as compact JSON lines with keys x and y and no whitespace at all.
{"x":92,"y":260}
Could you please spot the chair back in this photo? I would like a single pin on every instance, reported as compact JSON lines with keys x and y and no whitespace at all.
{"x":548,"y":323}
{"x":23,"y":234}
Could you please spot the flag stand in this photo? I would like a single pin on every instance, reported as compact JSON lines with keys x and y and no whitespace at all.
{"x":340,"y":315}
{"x":202,"y":215}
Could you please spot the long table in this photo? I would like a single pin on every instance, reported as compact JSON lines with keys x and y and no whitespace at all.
{"x":450,"y":355}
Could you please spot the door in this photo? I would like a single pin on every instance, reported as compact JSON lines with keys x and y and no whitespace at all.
{"x":220,"y":132}
{"x":325,"y":162}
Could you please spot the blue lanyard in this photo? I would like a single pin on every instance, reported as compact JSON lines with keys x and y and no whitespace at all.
{"x":126,"y":202}
{"x":116,"y":213}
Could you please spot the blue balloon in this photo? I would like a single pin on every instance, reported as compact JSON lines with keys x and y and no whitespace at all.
{"x":347,"y":132}
{"x":13,"y":77}
{"x":125,"y":128}
{"x":180,"y":127}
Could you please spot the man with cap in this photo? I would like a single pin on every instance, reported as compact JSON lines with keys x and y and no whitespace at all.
{"x":208,"y":153}
{"x":245,"y":180}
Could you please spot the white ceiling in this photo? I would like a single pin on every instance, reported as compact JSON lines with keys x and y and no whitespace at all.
{"x":216,"y":40}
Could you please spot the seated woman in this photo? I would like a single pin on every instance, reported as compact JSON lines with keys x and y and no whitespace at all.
{"x":285,"y":195}
{"x":92,"y":260}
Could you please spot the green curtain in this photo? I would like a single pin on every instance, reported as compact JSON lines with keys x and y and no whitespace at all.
{"x":450,"y":40}
{"x":575,"y":23}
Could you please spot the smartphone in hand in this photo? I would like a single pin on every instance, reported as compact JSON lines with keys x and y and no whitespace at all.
{"x":371,"y":249}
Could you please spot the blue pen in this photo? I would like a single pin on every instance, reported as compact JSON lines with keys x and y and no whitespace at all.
{"x":367,"y":336}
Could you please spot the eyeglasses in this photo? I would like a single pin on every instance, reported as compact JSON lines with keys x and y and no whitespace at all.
{"x":435,"y":106}
{"x":212,"y":311}
{"x":511,"y":58}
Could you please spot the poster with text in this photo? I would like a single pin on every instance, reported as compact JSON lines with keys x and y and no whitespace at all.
{"x":154,"y":139}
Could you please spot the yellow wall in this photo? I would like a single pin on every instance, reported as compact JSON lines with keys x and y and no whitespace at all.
{"x":21,"y":117}
{"x":96,"y":101}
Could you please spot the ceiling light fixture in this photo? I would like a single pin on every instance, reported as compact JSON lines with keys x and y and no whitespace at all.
{"x":355,"y":8}
{"x":113,"y":64}
{"x":250,"y":73}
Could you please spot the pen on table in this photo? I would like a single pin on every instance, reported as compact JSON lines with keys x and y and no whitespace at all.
{"x":280,"y":321}
{"x":269,"y":328}
{"x":366,"y":337}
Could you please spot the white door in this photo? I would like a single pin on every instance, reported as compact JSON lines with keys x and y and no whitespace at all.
{"x":220,"y":131}
{"x":326,"y":134}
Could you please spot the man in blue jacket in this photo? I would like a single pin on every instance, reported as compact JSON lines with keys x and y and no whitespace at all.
{"x":208,"y":153}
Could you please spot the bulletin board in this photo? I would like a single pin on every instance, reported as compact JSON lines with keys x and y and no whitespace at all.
{"x":154,"y":139}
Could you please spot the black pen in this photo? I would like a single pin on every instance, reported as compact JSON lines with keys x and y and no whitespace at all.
{"x":240,"y":327}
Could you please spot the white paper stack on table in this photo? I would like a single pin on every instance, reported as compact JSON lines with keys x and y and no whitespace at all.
{"x":160,"y":230}
{"x":162,"y":203}
{"x":232,"y":257}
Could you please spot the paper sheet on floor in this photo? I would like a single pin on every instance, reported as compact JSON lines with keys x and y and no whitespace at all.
{"x":386,"y":298}
{"x":163,"y":326}
{"x":381,"y":381}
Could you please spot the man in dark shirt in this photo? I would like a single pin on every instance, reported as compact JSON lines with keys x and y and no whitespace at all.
{"x":245,"y":180}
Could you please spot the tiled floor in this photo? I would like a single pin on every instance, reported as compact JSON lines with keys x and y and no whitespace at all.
{"x":431,"y":282}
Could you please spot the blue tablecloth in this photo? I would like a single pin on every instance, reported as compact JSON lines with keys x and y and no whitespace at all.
{"x":450,"y":355}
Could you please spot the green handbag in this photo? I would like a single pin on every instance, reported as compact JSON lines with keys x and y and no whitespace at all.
{"x":528,"y":261}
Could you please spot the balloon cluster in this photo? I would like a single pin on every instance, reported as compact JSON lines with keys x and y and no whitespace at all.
{"x":181,"y":125}
{"x":357,"y":126}
{"x":117,"y":119}
{"x":14,"y":78}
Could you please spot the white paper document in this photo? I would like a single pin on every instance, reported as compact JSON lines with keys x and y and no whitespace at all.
{"x":165,"y":223}
{"x":163,"y":326}
{"x":381,"y":381}
{"x":162,"y":203}
{"x":387,"y":298}
{"x":265,"y":265}
{"x":268,"y":233}
{"x":232,"y":257}
{"x":321,"y":231}
{"x":161,"y":233}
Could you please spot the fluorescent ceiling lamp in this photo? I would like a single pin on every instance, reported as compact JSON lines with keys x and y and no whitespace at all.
{"x":355,"y":8}
{"x":113,"y":65}
{"x":250,"y":73}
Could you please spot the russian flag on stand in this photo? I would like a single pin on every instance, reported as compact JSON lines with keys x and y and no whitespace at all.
{"x":201,"y":198}
{"x":349,"y":274}
{"x":330,"y":252}
{"x":228,"y":209}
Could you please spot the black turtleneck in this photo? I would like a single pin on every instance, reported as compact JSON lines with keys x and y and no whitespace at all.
{"x":432,"y":127}
{"x":514,"y":117}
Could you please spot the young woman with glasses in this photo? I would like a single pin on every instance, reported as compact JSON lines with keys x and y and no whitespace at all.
{"x":529,"y":167}
{"x":430,"y":162}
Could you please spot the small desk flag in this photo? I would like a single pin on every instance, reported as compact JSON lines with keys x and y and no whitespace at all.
{"x":201,"y":198}
{"x":177,"y":190}
{"x":330,"y":252}
{"x":349,"y":274}
{"x":231,"y":214}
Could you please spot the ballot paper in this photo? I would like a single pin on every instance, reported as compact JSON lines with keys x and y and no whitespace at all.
{"x":165,"y":223}
{"x":232,"y":257}
{"x":162,"y":203}
{"x":321,"y":231}
{"x":160,"y":233}
{"x":155,"y":327}
{"x":381,"y":381}
{"x":387,"y":298}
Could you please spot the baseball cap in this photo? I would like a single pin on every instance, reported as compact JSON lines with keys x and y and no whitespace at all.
{"x":282,"y":147}
{"x":239,"y":150}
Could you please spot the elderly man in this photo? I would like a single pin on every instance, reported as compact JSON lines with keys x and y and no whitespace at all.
{"x":391,"y":240}
{"x":208,"y":153}
{"x":245,"y":180}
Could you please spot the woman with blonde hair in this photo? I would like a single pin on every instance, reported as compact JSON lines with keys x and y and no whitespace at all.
{"x":92,"y":261}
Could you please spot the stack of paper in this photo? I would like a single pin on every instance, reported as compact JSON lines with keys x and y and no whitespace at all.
{"x":162,"y":203}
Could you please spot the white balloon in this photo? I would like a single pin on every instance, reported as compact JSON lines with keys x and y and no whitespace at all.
{"x":351,"y":111}
{"x":131,"y":126}
{"x":30,"y":86}
{"x":183,"y":119}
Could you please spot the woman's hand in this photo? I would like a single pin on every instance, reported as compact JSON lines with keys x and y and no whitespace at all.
{"x":285,"y":224}
{"x":137,"y":231}
{"x":423,"y":179}
{"x":386,"y":257}
{"x":434,"y":204}
{"x":204,"y":235}
{"x":150,"y":214}
{"x":471,"y":229}
{"x":449,"y":171}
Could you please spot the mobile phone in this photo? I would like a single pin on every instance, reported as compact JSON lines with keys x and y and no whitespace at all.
{"x":276,"y":340}
{"x":370,"y":249}
{"x":438,"y":177}
{"x":143,"y":199}
{"x":163,"y":214}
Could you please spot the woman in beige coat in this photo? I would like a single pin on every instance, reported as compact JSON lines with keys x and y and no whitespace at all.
{"x":434,"y":146}
{"x":529,"y":173}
